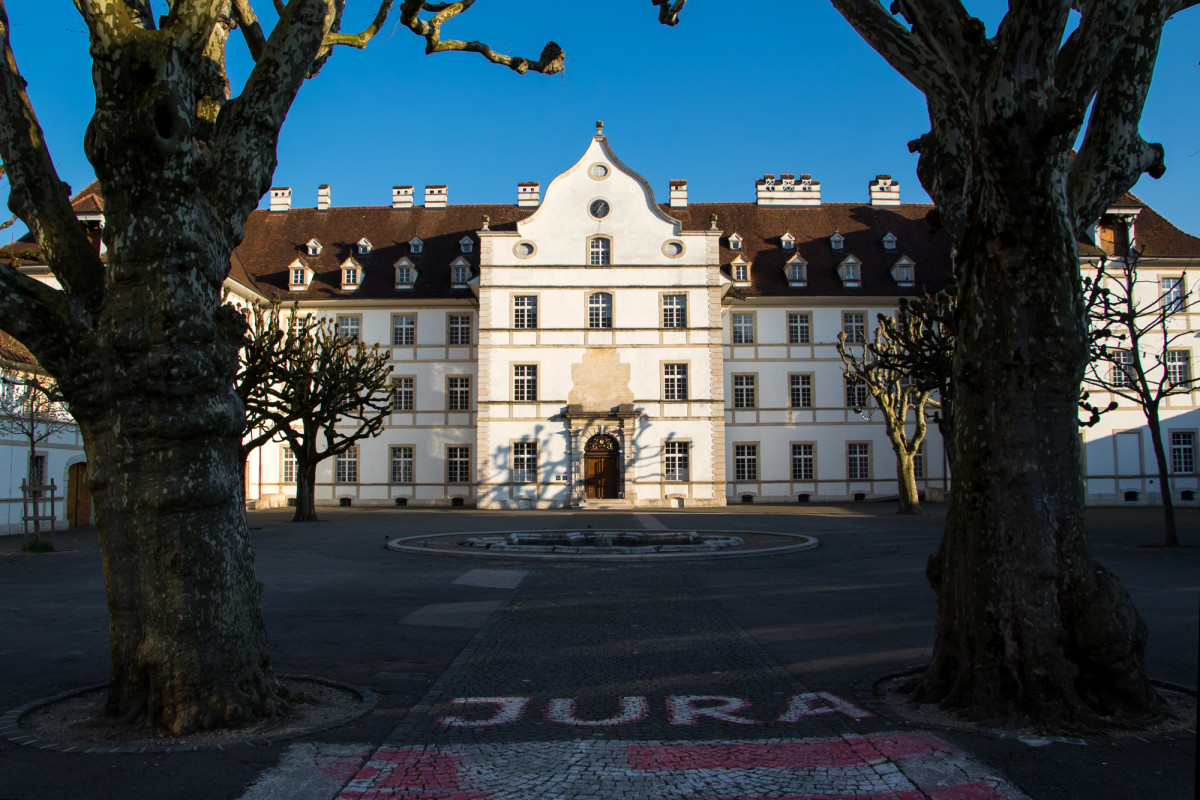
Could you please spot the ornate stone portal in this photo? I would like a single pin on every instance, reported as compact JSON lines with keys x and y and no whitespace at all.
{"x":599,"y":419}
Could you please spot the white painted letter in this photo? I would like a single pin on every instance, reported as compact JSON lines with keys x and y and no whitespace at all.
{"x":508,"y":709}
{"x":682,"y":710}
{"x":562,"y":711}
{"x":802,"y":706}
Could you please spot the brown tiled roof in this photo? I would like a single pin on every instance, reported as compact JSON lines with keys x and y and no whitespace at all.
{"x":273,"y":240}
{"x":89,"y":201}
{"x":13,"y":352}
{"x":1154,"y":234}
{"x":862,"y":226}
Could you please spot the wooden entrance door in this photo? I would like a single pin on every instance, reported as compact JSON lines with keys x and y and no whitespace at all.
{"x":79,"y":497}
{"x":601,"y":468}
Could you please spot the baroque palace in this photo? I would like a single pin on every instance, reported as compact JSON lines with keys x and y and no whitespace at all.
{"x":587,"y":345}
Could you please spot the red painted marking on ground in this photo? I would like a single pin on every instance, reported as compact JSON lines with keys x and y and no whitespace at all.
{"x":409,"y":774}
{"x":344,"y":768}
{"x":886,"y":796}
{"x":847,"y":752}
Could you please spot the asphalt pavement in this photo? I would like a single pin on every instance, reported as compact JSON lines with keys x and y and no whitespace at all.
{"x":498,"y":678}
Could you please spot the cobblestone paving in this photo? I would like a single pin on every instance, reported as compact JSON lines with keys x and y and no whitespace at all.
{"x":625,"y":682}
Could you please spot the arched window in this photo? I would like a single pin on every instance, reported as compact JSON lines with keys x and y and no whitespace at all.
{"x":599,"y":251}
{"x":600,"y":306}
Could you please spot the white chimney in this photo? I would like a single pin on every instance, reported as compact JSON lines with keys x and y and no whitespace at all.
{"x":402,"y":196}
{"x":885,"y":191}
{"x":323,"y":197}
{"x":435,"y":195}
{"x":281,"y":198}
{"x":529,"y":193}
{"x":787,"y":191}
{"x":678,"y":194}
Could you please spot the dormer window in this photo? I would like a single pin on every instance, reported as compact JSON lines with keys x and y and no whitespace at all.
{"x":904,"y":272}
{"x":466,"y":244}
{"x":850,"y":271}
{"x":313,"y":247}
{"x":299,"y":276}
{"x":351,"y":274}
{"x":735,"y":242}
{"x":1112,"y":236}
{"x":787,"y":241}
{"x":415,"y":245}
{"x":797,"y":271}
{"x":836,"y":240}
{"x":406,"y":274}
{"x":889,"y":241}
{"x":740,"y":268}
{"x":460,"y":272}
{"x":364,"y":246}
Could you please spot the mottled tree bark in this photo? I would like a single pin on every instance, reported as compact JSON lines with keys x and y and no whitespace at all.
{"x":1029,"y":627}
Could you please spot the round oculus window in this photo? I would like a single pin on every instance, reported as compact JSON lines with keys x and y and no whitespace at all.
{"x":524,"y":249}
{"x":599,"y":209}
{"x":673,"y":248}
{"x":598,"y":171}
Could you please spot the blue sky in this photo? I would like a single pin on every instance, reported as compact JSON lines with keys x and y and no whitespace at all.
{"x":733,"y":92}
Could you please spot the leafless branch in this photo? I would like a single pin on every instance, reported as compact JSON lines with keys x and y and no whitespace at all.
{"x":36,"y":194}
{"x":550,"y":62}
{"x":900,"y":47}
{"x":668,"y":11}
{"x":252,"y":32}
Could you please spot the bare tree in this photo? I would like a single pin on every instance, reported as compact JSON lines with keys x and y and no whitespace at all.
{"x":1029,"y":626}
{"x":325,"y":392}
{"x":32,"y":409}
{"x":139,"y":343}
{"x":895,"y":395}
{"x":1136,"y":353}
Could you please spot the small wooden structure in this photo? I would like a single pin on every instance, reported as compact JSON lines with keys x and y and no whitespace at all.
{"x":33,"y":498}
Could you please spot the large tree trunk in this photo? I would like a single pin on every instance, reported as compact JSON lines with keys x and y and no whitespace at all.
{"x":910,"y":498}
{"x":306,"y":490}
{"x":1029,"y":627}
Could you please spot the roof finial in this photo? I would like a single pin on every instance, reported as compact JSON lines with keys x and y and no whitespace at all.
{"x":599,"y":127}
{"x":486,"y":221}
{"x":713,"y":222}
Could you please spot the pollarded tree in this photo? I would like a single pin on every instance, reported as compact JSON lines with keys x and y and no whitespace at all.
{"x":1140,"y":352}
{"x":1029,"y":626}
{"x":896,"y":396}
{"x":31,"y":408}
{"x":139,"y":343}
{"x":324,"y":395}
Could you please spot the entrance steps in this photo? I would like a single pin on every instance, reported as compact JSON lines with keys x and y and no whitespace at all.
{"x":605,"y":505}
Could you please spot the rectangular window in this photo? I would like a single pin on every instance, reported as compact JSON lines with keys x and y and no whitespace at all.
{"x":741,"y":272}
{"x":799,"y":328}
{"x":350,"y":277}
{"x":1172,"y":294}
{"x":1179,"y":366}
{"x":675,"y":461}
{"x":743,"y":390}
{"x":919,"y":462}
{"x":599,"y":252}
{"x":600,"y":310}
{"x":800,"y":391}
{"x":525,"y":388}
{"x":858,"y":461}
{"x":1123,"y":375}
{"x":743,"y":329}
{"x":802,"y":462}
{"x":524,"y":462}
{"x":460,"y":275}
{"x":745,"y":462}
{"x":855,"y":327}
{"x":1183,"y":452}
{"x":458,"y":394}
{"x":404,"y":330}
{"x":404,"y":276}
{"x":402,"y":465}
{"x":675,"y":311}
{"x":458,"y":465}
{"x":348,"y":327}
{"x":403,"y":394}
{"x":525,"y":311}
{"x":346,"y":466}
{"x":298,"y":276}
{"x":289,"y":465}
{"x":459,"y":331}
{"x":856,"y":393}
{"x":675,"y":382}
